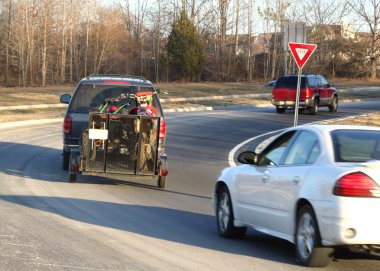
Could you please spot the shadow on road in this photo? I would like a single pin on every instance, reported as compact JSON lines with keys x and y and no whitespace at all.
{"x":183,"y":227}
{"x":44,"y":164}
{"x":179,"y":226}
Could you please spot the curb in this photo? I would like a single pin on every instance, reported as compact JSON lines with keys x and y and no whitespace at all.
{"x":31,"y":106}
{"x":23,"y":123}
{"x":184,"y":109}
{"x":211,"y":98}
{"x":163,"y":101}
{"x":188,"y":109}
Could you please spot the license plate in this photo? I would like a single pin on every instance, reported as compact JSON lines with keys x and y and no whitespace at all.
{"x":98,"y":134}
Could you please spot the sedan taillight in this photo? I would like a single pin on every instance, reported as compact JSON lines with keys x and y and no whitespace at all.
{"x":67,"y":125}
{"x":356,"y":184}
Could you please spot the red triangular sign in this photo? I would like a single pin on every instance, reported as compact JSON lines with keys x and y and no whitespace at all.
{"x":301,"y":52}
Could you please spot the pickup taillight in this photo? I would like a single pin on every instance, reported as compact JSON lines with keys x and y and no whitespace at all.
{"x":162,"y":133}
{"x":67,"y":125}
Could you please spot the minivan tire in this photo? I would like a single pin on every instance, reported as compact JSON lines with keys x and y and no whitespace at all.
{"x":280,"y":110}
{"x":65,"y":160}
{"x":314,"y":108}
{"x":333,"y":107}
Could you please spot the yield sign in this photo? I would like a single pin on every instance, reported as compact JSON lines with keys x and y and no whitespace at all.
{"x":301,"y":52}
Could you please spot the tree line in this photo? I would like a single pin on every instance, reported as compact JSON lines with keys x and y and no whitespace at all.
{"x":46,"y":42}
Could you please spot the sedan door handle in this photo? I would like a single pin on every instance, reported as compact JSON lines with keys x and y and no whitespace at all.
{"x":296,"y":180}
{"x":264,"y":178}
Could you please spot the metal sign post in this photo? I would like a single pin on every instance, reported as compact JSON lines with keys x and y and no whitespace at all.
{"x":297,"y":98}
{"x":301,"y":53}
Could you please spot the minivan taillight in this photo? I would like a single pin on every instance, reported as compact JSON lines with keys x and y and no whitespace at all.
{"x":356,"y":184}
{"x":67,"y":125}
{"x":308,"y":93}
{"x":162,"y":134}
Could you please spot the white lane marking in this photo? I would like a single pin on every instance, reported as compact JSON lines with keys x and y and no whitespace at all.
{"x":231,"y":155}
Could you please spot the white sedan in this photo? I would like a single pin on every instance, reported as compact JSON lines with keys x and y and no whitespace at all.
{"x":316,"y":186}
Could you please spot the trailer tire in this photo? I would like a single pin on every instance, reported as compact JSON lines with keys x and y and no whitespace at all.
{"x":161,"y":181}
{"x":73,"y":177}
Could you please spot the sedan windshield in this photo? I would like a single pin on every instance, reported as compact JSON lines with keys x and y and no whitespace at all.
{"x":356,"y":145}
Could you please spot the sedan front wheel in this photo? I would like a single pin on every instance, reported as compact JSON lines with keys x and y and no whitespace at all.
{"x":309,"y":250}
{"x":225,"y":216}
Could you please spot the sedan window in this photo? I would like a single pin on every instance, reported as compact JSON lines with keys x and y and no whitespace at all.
{"x":272,"y":155}
{"x":356,"y":145}
{"x":304,"y":150}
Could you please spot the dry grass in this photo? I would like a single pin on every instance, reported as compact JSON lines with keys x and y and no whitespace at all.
{"x":33,"y":114}
{"x":367,"y":120}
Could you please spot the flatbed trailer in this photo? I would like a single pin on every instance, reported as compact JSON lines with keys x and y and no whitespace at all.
{"x":120,"y":144}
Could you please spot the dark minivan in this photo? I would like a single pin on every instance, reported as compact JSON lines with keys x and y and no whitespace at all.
{"x":90,"y":96}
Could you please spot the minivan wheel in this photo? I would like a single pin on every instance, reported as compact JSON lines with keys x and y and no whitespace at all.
{"x":314,"y":108}
{"x":65,"y":160}
{"x":333,"y":107}
{"x":225,"y":216}
{"x":280,"y":110}
{"x":309,"y":250}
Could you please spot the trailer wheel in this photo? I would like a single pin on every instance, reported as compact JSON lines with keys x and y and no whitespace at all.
{"x":73,"y":177}
{"x":73,"y":166}
{"x":161,"y":181}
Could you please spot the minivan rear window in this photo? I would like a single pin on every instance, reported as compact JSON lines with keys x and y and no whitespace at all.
{"x":290,"y":82}
{"x":89,"y":97}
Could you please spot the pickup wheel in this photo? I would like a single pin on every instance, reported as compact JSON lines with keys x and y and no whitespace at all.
{"x":333,"y":107}
{"x":314,"y":108}
{"x":280,"y":110}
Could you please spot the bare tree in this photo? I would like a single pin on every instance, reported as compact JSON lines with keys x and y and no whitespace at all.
{"x":369,"y":12}
{"x":249,"y":65}
{"x":321,"y":12}
{"x":8,"y":40}
{"x":46,"y":25}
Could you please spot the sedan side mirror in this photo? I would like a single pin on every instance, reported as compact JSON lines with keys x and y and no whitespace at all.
{"x":247,"y":157}
{"x":65,"y":98}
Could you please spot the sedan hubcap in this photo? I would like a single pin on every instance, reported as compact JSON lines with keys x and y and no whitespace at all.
{"x":306,"y":236}
{"x":224,"y":211}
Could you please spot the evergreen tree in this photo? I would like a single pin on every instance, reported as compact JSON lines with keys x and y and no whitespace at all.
{"x":185,"y":49}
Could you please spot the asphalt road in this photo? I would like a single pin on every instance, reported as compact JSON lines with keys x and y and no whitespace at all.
{"x":47,"y":223}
